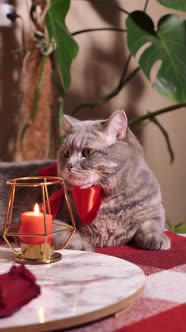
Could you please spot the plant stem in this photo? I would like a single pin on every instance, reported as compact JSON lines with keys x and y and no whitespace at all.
{"x":97,"y":29}
{"x":38,"y":88}
{"x":35,"y":99}
{"x":114,"y":92}
{"x":124,"y":72}
{"x":146,"y":4}
{"x":111,"y":5}
{"x":166,"y":136}
{"x":155,"y":113}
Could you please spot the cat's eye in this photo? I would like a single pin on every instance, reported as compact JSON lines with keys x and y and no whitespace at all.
{"x":66,"y":153}
{"x":87,"y":152}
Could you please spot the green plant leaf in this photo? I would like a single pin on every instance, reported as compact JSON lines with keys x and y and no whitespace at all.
{"x":178,"y":4}
{"x":167,"y":44}
{"x":170,"y":225}
{"x":180,"y":228}
{"x":67,"y":48}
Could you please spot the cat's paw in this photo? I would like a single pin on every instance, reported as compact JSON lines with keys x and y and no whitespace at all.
{"x":153,"y":241}
{"x":77,"y":242}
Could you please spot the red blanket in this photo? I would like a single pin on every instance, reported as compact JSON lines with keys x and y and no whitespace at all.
{"x":162,"y":308}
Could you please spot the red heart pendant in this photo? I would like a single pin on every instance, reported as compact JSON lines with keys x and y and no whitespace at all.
{"x":87,"y":202}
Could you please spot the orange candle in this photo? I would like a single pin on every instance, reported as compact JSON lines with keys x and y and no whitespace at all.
{"x":32,"y":222}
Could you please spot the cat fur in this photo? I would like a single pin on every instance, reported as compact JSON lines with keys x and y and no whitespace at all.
{"x":131,"y":210}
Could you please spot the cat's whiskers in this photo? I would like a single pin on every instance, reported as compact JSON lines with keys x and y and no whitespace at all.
{"x":103,"y":177}
{"x":85,"y":172}
{"x":81,"y":173}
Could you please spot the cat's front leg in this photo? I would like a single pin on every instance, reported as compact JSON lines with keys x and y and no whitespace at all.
{"x":77,"y":242}
{"x":149,"y":237}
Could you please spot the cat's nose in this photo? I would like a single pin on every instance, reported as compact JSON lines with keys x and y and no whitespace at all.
{"x":70,"y":166}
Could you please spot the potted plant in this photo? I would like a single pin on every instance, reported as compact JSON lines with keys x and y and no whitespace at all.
{"x":56,"y":47}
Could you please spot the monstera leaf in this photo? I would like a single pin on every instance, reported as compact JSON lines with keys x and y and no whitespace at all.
{"x":66,"y":47}
{"x":178,"y":4}
{"x":167,"y":44}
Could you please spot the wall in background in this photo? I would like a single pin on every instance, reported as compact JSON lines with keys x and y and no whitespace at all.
{"x":95,"y":73}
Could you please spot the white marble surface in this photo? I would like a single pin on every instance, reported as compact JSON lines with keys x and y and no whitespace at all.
{"x":81,"y":283}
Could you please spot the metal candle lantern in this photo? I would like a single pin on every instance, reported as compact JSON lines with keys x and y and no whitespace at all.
{"x":34,"y":231}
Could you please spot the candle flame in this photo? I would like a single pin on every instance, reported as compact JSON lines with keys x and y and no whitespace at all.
{"x":36,"y":208}
{"x":41,"y":314}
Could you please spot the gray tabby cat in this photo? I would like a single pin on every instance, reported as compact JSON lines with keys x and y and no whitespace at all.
{"x":108,"y":154}
{"x":104,"y":153}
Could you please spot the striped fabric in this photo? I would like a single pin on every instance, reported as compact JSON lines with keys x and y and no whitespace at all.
{"x":162,"y":308}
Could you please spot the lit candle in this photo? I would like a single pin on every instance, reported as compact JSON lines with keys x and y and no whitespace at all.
{"x":32,"y":222}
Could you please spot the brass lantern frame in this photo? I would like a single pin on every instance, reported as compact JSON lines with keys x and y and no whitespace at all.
{"x":36,"y":253}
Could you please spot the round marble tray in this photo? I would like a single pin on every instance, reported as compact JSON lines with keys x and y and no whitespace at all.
{"x":80,"y":288}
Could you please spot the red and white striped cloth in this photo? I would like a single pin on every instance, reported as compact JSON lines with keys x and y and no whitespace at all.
{"x":162,"y":308}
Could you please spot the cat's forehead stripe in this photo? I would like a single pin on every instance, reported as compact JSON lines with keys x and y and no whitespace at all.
{"x":80,"y":138}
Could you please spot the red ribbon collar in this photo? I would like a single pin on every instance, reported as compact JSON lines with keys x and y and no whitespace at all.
{"x":87,"y":201}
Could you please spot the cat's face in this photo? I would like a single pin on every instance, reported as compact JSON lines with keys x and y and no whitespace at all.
{"x":85,"y":157}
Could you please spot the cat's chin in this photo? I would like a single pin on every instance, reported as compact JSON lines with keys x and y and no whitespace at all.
{"x":86,"y":186}
{"x":80,"y":184}
{"x":83,"y":186}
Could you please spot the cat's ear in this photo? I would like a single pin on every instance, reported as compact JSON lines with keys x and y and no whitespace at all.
{"x":116,"y":125}
{"x":68,"y":123}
